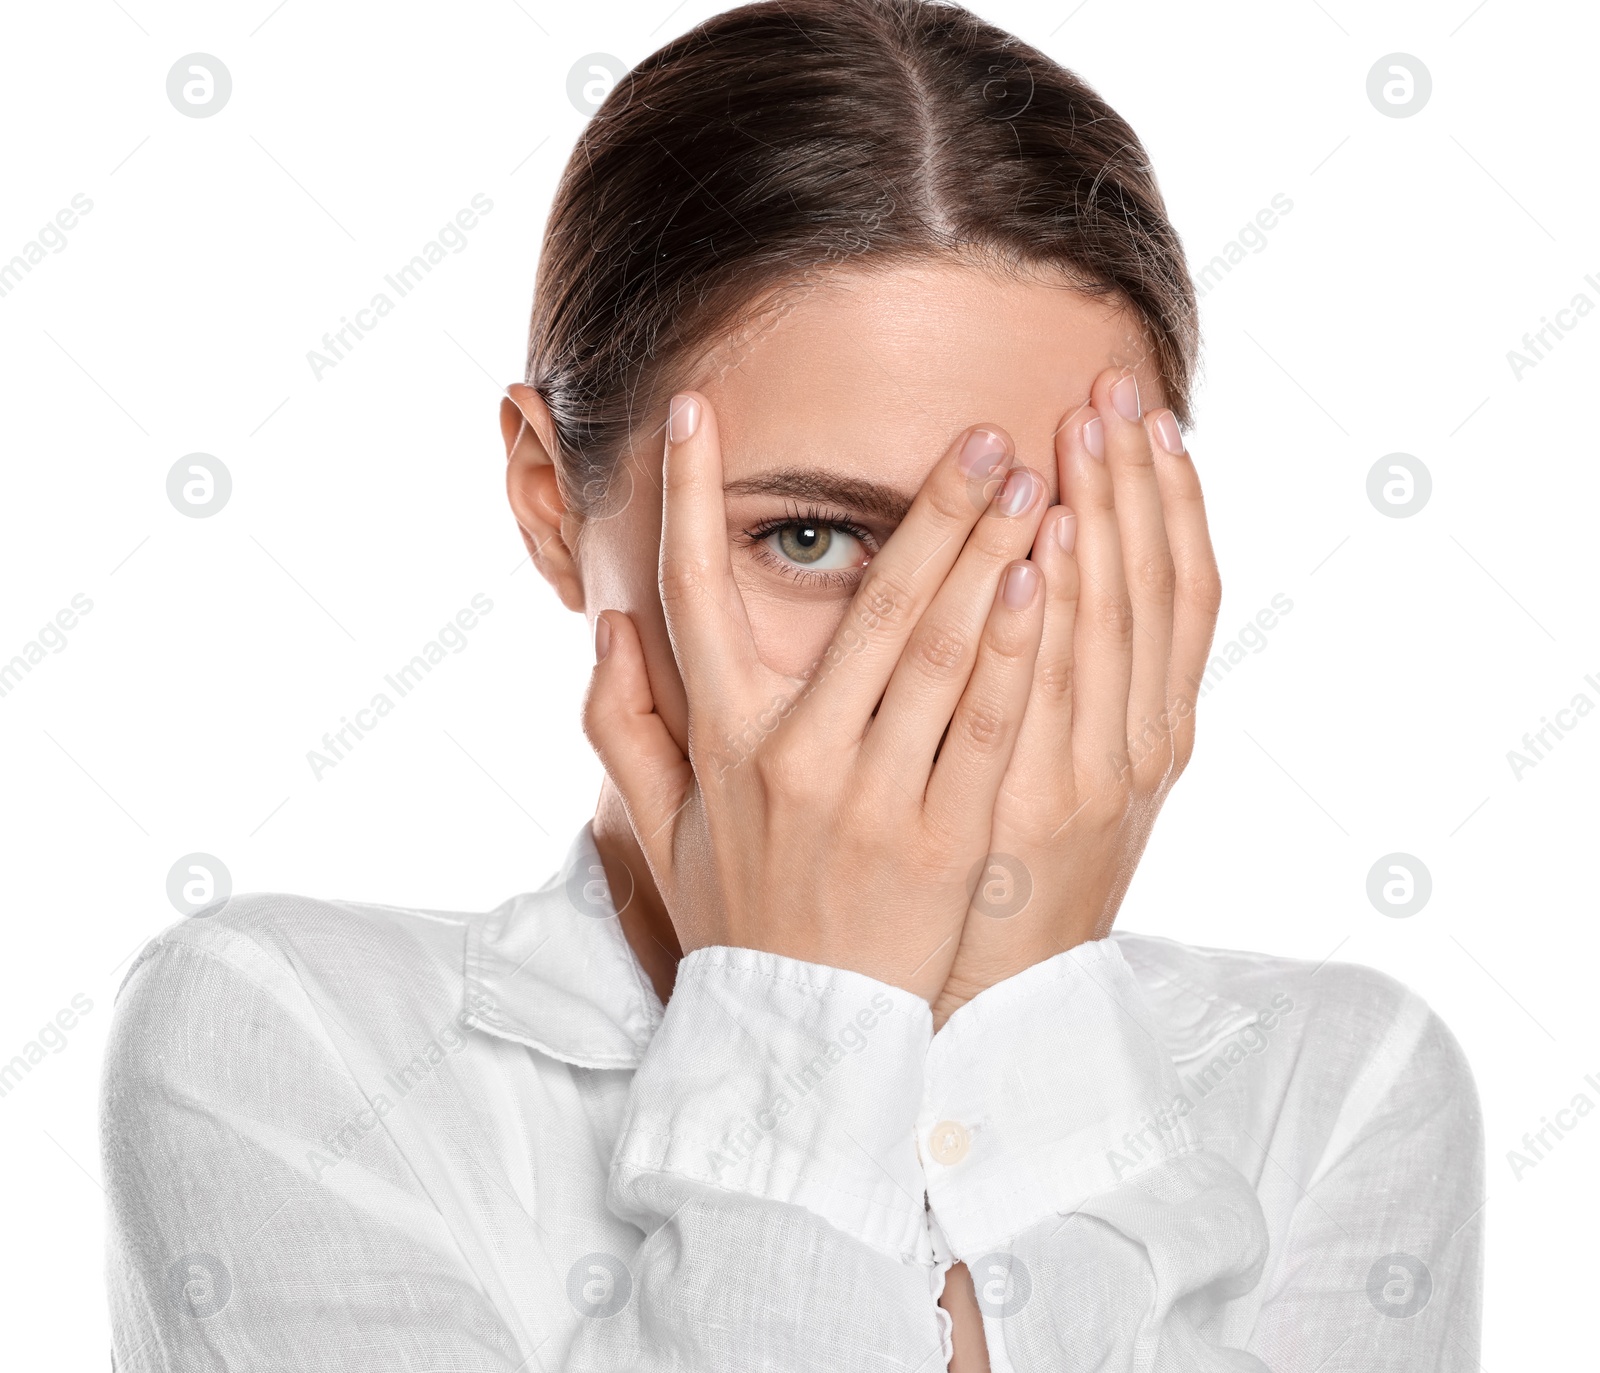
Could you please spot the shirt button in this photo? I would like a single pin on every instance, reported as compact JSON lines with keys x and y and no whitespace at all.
{"x":949,"y":1141}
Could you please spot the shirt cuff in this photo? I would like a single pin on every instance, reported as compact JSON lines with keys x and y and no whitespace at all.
{"x":1042,"y":1091}
{"x":792,"y":1082}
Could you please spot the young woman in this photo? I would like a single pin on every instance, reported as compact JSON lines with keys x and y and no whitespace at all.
{"x":860,"y":355}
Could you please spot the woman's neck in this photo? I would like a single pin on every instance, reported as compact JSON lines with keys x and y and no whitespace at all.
{"x":644,"y":917}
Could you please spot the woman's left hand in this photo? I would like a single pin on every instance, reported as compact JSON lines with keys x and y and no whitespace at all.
{"x":1132,"y":595}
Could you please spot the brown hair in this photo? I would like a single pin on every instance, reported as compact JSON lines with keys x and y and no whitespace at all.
{"x":781,"y":139}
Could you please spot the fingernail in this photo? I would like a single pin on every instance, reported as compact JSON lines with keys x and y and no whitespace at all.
{"x":1021,"y":580}
{"x":1125,"y":396}
{"x":1094,"y":438}
{"x":983,"y":454}
{"x":683,"y":418}
{"x":1166,"y":427}
{"x":1066,"y":530}
{"x":602,"y":637}
{"x":1018,"y":492}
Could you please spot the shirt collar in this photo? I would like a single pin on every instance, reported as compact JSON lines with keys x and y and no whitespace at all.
{"x":552,"y":969}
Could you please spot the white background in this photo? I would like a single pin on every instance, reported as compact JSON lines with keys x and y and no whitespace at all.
{"x":368,"y":507}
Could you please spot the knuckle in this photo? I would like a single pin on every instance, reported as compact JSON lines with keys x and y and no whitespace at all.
{"x":1114,"y":615}
{"x":885,"y":602}
{"x":1205,"y":590}
{"x":1053,"y":680}
{"x":983,"y":726}
{"x":682,"y":579}
{"x":1098,"y":497}
{"x":1010,"y":648}
{"x":939,"y":651}
{"x":951,"y":501}
{"x":1156,"y":577}
{"x":1137,"y":452}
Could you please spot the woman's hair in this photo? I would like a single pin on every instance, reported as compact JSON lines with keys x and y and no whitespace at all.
{"x":782,"y":139}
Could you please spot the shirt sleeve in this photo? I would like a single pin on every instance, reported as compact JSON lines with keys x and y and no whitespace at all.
{"x":1065,"y":1169}
{"x":238,"y":1237}
{"x":768,"y":1154}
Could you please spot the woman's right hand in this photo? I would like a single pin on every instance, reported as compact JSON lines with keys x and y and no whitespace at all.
{"x":831,"y":819}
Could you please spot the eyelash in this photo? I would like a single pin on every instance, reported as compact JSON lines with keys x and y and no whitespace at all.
{"x":756,"y":539}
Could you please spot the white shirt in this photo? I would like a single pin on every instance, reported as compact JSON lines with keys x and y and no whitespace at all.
{"x":352,"y":1137}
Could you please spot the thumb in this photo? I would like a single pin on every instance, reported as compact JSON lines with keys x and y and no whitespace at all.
{"x":635,"y":747}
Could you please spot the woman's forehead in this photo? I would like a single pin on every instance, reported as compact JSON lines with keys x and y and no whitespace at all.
{"x":874,"y":373}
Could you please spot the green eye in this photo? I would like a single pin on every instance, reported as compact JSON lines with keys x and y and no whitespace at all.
{"x":804,"y":543}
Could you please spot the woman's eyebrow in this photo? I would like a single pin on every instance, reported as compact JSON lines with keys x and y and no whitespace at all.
{"x":873,"y":499}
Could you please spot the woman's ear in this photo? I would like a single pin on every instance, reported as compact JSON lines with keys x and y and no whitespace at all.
{"x":535,"y":494}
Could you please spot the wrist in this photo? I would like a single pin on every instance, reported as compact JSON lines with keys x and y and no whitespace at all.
{"x":978,"y":969}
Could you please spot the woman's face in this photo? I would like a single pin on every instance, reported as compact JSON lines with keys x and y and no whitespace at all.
{"x":831,"y":414}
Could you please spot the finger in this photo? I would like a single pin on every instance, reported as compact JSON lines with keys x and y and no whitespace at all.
{"x":1198,"y":594}
{"x":938,"y":658}
{"x":900,"y":583}
{"x":1147,"y":566}
{"x":984,"y":728}
{"x":635,"y":747}
{"x":705,"y":614}
{"x":1041,"y":764}
{"x":1103,"y":631}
